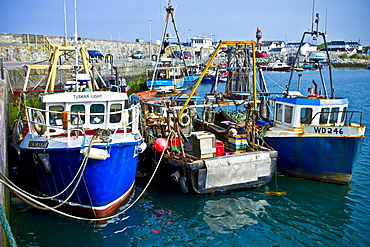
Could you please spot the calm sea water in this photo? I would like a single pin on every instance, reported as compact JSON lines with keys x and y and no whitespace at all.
{"x":311,"y":214}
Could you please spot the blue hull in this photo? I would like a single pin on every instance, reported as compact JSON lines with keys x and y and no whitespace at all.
{"x":191,"y":78}
{"x":208,"y":78}
{"x":165,"y":83}
{"x":328,"y":159}
{"x":106,"y":184}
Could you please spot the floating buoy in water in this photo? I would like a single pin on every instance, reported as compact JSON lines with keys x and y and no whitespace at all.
{"x":276,"y":193}
{"x":161,"y":144}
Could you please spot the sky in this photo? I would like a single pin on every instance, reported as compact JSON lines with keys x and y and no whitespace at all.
{"x":128,"y":20}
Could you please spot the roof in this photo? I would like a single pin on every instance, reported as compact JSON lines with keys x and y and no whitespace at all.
{"x":267,"y":43}
{"x":337,"y":43}
{"x":298,"y":43}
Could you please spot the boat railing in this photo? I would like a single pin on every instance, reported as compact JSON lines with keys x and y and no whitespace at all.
{"x":346,"y":118}
{"x":36,"y":121}
{"x":128,"y":121}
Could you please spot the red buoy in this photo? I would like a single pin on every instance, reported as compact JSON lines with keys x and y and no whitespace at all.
{"x":161,"y":144}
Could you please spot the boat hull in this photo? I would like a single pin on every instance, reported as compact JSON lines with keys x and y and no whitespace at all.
{"x":208,"y":78}
{"x":191,"y":78}
{"x":159,"y":84}
{"x":105,"y":184}
{"x":327,"y":159}
{"x":220,"y":174}
{"x":276,"y":69}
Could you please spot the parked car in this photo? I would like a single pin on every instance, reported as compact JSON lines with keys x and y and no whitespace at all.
{"x":95,"y":54}
{"x":177,"y":54}
{"x":187,"y":54}
{"x":139,"y":55}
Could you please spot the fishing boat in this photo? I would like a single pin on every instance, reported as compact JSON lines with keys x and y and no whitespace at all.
{"x":211,"y":74}
{"x":203,"y":144}
{"x":193,"y":73}
{"x":316,"y":134}
{"x":308,"y":66}
{"x":165,"y":76}
{"x":317,"y":56}
{"x":276,"y":66}
{"x":77,"y":147}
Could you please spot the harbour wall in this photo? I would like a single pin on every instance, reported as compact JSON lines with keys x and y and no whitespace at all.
{"x":32,"y":47}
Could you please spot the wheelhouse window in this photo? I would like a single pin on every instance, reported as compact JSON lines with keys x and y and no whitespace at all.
{"x":115,"y":118}
{"x":334,"y":115}
{"x":324,"y":115}
{"x":55,"y":115}
{"x":288,"y":114}
{"x":97,"y":113}
{"x":306,"y":115}
{"x":279,"y":112}
{"x":344,"y":114}
{"x":78,"y":114}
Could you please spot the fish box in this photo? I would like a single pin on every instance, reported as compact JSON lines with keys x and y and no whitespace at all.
{"x":238,"y":137}
{"x":236,"y":146}
{"x":175,"y":143}
{"x":237,"y":141}
{"x":237,"y":151}
{"x":203,"y":144}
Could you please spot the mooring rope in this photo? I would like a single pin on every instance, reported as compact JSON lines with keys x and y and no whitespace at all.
{"x":80,"y":171}
{"x":6,"y":227}
{"x":23,"y":196}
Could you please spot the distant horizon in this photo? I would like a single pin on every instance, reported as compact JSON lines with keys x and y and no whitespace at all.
{"x":124,"y":20}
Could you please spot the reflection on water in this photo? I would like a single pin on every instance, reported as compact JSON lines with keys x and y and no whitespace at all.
{"x":232,"y":213}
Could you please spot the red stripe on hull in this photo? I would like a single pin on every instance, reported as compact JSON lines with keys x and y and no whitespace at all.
{"x":95,"y":213}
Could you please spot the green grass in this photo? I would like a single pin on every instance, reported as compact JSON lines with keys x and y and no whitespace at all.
{"x":14,"y":110}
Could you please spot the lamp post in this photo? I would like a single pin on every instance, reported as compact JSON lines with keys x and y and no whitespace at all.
{"x":150,"y":38}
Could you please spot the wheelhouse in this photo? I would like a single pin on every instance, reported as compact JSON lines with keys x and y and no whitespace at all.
{"x":296,"y":112}
{"x":93,"y":110}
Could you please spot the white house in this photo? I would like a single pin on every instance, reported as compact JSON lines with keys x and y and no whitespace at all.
{"x":267,"y":46}
{"x":306,"y":48}
{"x":344,"y":46}
{"x":202,"y":46}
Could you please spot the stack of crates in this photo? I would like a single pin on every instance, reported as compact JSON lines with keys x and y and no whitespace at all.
{"x":237,"y":143}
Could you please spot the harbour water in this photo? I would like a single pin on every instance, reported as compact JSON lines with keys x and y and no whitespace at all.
{"x":311,"y":214}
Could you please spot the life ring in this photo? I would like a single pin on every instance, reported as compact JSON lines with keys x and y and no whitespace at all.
{"x":319,"y":96}
{"x":17,"y":135}
{"x":184,"y":120}
{"x":39,"y":123}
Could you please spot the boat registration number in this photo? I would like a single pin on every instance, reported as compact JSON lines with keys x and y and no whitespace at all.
{"x":38,"y":144}
{"x":324,"y":130}
{"x":328,"y":130}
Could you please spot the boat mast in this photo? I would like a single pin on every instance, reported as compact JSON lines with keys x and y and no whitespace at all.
{"x":170,"y":10}
{"x":315,"y":34}
{"x":65,"y":24}
{"x":76,"y":39}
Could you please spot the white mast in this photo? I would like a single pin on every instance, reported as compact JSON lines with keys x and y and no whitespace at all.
{"x":65,"y":24}
{"x":76,"y":35}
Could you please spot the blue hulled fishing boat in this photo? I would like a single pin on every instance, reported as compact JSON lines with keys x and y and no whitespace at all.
{"x":315,"y":134}
{"x":79,"y":149}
